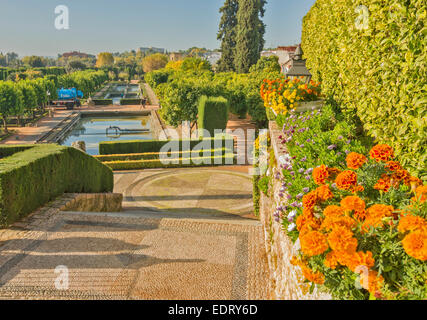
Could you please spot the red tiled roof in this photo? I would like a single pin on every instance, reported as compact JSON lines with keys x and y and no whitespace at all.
{"x":288,"y":48}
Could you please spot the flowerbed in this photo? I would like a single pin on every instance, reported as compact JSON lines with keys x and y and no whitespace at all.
{"x":283,"y":95}
{"x":358,"y":217}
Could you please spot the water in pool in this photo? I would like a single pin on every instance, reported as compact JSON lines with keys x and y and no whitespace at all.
{"x":93,"y":130}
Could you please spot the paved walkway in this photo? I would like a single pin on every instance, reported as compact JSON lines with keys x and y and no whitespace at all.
{"x":151,"y":95}
{"x":205,"y":247}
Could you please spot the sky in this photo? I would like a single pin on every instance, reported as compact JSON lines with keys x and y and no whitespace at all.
{"x":28,"y":26}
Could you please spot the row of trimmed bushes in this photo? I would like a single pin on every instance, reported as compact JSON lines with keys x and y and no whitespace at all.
{"x":57,"y":71}
{"x":158,"y":155}
{"x":145,"y":146}
{"x":102,"y":102}
{"x":375,"y":65}
{"x":7,"y":151}
{"x":226,"y":159}
{"x":31,"y":178}
{"x":212,"y":114}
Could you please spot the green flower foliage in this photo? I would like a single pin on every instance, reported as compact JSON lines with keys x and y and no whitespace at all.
{"x":377,"y":68}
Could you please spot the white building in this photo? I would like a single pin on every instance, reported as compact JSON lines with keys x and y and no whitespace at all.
{"x":212,"y":57}
{"x":285,"y":55}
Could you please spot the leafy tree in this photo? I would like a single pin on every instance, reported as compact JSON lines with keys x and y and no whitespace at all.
{"x":196,"y":64}
{"x":10,"y":101}
{"x":104,"y":59}
{"x":154,"y":62}
{"x":250,"y":34}
{"x":3,"y":60}
{"x":174,"y":65}
{"x":34,"y":61}
{"x":29,"y":96}
{"x":266,"y":65}
{"x":227,"y":35}
{"x":76,"y":65}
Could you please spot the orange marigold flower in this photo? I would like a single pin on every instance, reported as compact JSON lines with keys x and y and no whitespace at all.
{"x":421,"y":193}
{"x":346,"y":180}
{"x":361,"y":259}
{"x":412,"y":223}
{"x":353,"y":203}
{"x":393,"y":166}
{"x":415,"y":183}
{"x":358,"y":188}
{"x":360,"y":215}
{"x":355,"y":160}
{"x":320,"y":174}
{"x":332,"y":211}
{"x":310,"y":275}
{"x":415,"y":245}
{"x":332,"y":222}
{"x":306,"y":223}
{"x":375,"y":214}
{"x":333,"y":172}
{"x":313,"y":243}
{"x":309,"y":200}
{"x":401,"y":175}
{"x":331,"y":260}
{"x":371,"y":281}
{"x":382,"y":152}
{"x":383,"y":184}
{"x":324,"y":193}
{"x":341,"y":240}
{"x":295,"y":261}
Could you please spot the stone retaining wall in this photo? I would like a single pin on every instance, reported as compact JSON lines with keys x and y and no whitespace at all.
{"x":93,"y":202}
{"x":77,"y":202}
{"x":159,"y":132}
{"x":286,"y":279}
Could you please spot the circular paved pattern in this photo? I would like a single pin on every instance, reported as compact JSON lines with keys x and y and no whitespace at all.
{"x":204,"y":191}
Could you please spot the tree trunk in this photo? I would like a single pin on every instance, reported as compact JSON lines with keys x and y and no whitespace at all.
{"x":5,"y":124}
{"x":18,"y":120}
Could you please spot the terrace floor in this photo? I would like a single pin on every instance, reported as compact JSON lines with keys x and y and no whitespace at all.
{"x":183,"y":234}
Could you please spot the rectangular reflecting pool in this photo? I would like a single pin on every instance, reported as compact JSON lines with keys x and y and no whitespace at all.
{"x":95,"y":129}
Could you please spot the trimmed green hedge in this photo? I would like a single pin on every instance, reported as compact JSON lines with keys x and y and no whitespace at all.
{"x":102,"y":102}
{"x":379,"y":71}
{"x":145,"y":146}
{"x":7,"y":151}
{"x":126,"y":102}
{"x":213,"y":113}
{"x":155,"y":163}
{"x":31,"y":178}
{"x":154,"y":155}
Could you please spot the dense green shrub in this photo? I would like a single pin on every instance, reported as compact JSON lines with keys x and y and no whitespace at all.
{"x":226,"y":159}
{"x":379,"y":71}
{"x":157,"y":77}
{"x":145,"y":146}
{"x":33,"y":177}
{"x":8,"y":150}
{"x":213,"y":114}
{"x":102,"y":102}
{"x":125,"y":102}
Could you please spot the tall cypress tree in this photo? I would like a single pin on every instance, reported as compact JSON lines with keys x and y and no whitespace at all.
{"x":227,"y":35}
{"x":249,"y":34}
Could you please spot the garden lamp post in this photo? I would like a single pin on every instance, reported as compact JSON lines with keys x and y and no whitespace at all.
{"x":298,"y":69}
